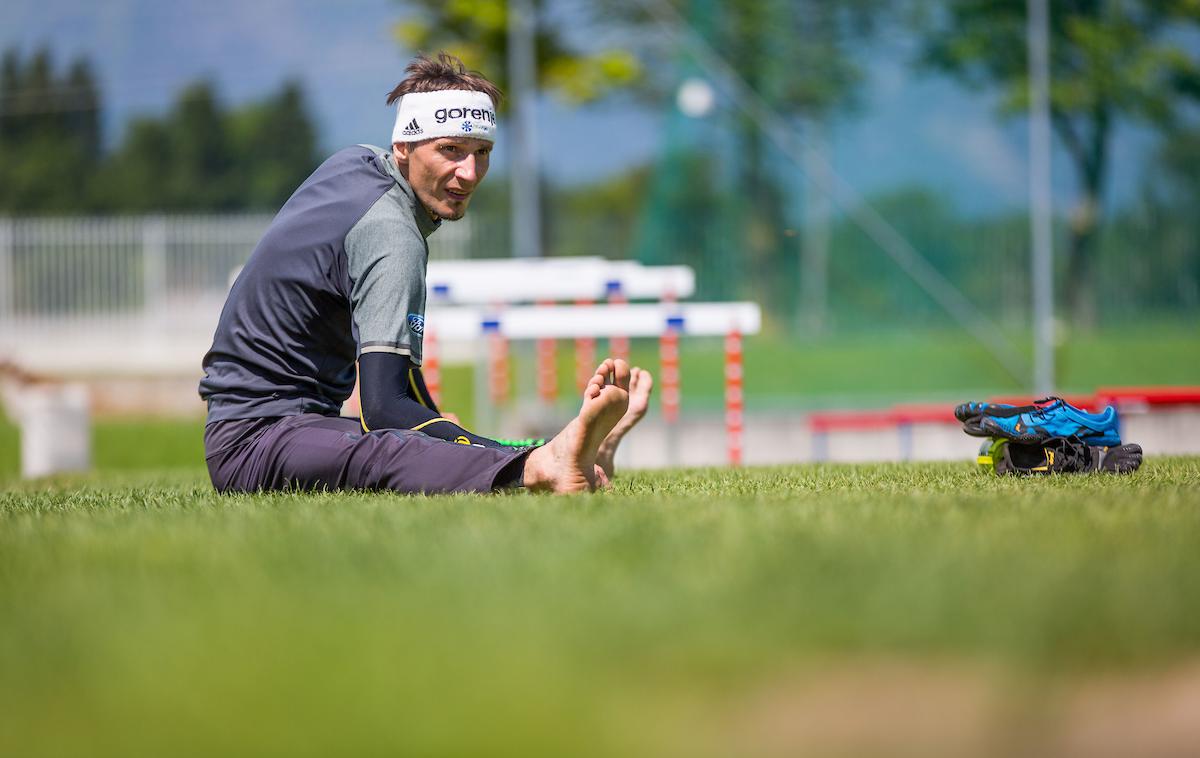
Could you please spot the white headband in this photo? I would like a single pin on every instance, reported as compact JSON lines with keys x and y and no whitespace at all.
{"x":445,"y":113}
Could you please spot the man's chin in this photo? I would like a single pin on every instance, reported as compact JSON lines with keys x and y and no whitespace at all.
{"x":453,"y":213}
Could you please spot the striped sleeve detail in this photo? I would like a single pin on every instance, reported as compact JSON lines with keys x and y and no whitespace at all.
{"x":386,"y":347}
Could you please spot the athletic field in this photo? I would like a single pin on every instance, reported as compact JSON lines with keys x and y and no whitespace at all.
{"x":827,"y":610}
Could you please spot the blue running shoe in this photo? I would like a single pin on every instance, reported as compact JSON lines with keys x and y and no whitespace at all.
{"x":971,"y":415}
{"x":1058,"y":419}
{"x":968,"y":411}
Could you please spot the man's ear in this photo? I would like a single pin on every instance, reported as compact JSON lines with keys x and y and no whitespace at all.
{"x":400,"y":151}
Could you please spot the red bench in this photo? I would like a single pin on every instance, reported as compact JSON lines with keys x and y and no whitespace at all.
{"x":1146,"y":397}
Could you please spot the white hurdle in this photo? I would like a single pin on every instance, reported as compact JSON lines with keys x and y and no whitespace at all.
{"x":519,"y":280}
{"x":567,"y":321}
{"x":667,"y":321}
{"x":496,"y":282}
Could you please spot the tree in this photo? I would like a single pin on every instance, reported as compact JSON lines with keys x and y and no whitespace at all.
{"x":199,"y":156}
{"x":1173,"y":199}
{"x":477,"y":32}
{"x":275,"y":145}
{"x":203,"y":157}
{"x":800,"y":58}
{"x":766,"y":41}
{"x":1109,"y":59}
{"x":200,"y":174}
{"x":135,"y":176}
{"x":49,"y":123}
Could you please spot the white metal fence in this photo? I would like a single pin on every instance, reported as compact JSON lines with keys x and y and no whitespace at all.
{"x":129,"y":294}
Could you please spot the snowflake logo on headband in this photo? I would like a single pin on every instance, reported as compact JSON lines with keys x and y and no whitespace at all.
{"x":466,"y":126}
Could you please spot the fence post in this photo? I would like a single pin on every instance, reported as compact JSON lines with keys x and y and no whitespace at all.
{"x":7,"y":271}
{"x":154,"y":269}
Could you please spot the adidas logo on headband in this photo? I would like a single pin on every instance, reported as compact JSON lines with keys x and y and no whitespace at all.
{"x":412,"y":129}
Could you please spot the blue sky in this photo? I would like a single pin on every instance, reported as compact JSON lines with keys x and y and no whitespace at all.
{"x":911,"y":130}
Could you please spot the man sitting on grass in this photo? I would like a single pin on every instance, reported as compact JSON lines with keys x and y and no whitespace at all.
{"x":338,"y":279}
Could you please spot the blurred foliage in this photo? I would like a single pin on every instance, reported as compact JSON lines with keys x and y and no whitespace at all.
{"x":594,"y":218}
{"x":199,"y":156}
{"x":699,"y":202}
{"x":1108,"y":60}
{"x":769,"y":43}
{"x":722,"y":185}
{"x":598,"y":218}
{"x":1179,"y":163}
{"x":47,"y":119}
{"x":1170,"y":197}
{"x":477,"y":32}
{"x":986,"y":259}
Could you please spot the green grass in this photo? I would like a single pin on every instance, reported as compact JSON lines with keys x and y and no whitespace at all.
{"x":141,"y":614}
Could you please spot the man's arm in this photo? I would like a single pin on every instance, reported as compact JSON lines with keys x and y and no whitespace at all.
{"x":419,"y":392}
{"x":392,"y":395}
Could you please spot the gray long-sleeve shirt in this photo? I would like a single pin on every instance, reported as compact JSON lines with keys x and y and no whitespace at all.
{"x":340,"y":271}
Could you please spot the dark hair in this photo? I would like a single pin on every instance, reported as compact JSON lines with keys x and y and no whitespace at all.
{"x":447,"y":72}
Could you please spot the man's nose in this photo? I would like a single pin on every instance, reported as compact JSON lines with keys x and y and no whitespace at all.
{"x":467,"y":170}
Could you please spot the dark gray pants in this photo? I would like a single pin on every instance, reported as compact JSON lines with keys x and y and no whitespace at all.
{"x":313,"y":452}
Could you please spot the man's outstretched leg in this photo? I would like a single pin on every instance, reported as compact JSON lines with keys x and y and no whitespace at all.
{"x":317,"y":452}
{"x":567,"y":463}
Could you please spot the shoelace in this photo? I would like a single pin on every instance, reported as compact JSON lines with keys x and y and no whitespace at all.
{"x":1043,"y":414}
{"x":1074,"y":452}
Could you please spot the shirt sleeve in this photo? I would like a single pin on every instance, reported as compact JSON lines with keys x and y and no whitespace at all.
{"x":390,"y":400}
{"x":386,"y":256}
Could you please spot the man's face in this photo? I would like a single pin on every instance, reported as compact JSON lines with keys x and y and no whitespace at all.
{"x":444,"y":172}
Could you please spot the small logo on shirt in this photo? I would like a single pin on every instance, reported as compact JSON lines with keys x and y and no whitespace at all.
{"x":412,"y":128}
{"x":416,"y":322}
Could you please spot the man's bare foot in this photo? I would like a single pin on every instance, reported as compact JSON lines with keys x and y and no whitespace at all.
{"x":640,"y":385}
{"x":567,"y":463}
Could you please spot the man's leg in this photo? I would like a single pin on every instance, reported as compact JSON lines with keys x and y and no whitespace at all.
{"x":313,"y":452}
{"x":319,"y":452}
